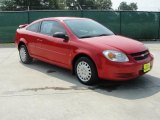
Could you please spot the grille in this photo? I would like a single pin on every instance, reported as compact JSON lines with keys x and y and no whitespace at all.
{"x":140,"y":55}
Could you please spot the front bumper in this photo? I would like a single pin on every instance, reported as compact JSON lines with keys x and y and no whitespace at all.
{"x":123,"y":71}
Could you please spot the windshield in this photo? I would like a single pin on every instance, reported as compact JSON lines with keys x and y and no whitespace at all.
{"x":85,"y":28}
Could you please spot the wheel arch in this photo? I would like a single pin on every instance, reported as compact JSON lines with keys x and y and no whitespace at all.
{"x":79,"y":56}
{"x":22,"y":41}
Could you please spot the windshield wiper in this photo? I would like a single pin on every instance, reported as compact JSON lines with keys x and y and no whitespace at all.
{"x":88,"y":36}
{"x":103,"y":35}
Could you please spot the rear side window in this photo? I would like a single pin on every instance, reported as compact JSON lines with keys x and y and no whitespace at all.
{"x":34,"y":27}
{"x":51,"y":27}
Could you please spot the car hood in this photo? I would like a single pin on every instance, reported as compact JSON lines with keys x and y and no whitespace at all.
{"x":116,"y":42}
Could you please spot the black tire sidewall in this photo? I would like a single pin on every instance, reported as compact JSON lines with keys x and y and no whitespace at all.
{"x":28,"y":58}
{"x":94,"y":76}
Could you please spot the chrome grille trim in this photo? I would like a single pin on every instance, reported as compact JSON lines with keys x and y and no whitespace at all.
{"x":140,"y":55}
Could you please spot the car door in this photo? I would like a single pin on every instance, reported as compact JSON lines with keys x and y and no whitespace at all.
{"x":34,"y":44}
{"x":54,"y":49}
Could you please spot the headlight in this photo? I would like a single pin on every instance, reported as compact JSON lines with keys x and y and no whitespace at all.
{"x":115,"y":56}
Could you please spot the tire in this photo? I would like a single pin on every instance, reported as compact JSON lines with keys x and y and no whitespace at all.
{"x":86,"y":71}
{"x":24,"y":55}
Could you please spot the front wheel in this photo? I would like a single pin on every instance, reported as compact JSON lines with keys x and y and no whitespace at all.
{"x":24,"y":55}
{"x":86,"y":71}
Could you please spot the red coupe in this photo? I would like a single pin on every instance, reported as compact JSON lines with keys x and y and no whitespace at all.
{"x":84,"y":46}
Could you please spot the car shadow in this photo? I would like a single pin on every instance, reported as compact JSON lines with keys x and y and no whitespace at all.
{"x":141,"y":87}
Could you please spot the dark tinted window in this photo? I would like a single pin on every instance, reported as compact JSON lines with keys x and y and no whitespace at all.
{"x":51,"y":27}
{"x":34,"y":27}
{"x":84,"y":28}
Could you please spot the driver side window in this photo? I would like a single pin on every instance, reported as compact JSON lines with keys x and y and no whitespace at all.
{"x":51,"y":27}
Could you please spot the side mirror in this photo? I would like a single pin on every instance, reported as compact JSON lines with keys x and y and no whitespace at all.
{"x":61,"y":35}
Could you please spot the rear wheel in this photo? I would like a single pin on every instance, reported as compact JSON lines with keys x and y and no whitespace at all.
{"x":86,"y":71}
{"x":24,"y":55}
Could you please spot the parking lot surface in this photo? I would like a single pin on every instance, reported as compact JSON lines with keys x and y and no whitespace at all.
{"x":42,"y":91}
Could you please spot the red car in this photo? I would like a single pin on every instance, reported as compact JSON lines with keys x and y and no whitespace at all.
{"x":84,"y":46}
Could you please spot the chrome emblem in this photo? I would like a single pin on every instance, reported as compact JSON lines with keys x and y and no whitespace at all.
{"x":143,"y":55}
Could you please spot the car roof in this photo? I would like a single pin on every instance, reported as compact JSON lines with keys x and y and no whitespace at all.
{"x":59,"y":19}
{"x":62,"y":18}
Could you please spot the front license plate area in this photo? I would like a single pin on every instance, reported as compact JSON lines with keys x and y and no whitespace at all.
{"x":146,"y":67}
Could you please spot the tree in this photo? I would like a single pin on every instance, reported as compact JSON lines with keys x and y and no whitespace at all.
{"x":56,"y":4}
{"x":80,"y":4}
{"x":7,"y":5}
{"x":72,"y":4}
{"x":52,"y":4}
{"x":124,"y":6}
{"x":89,"y":4}
{"x":33,"y":4}
{"x":134,"y":6}
{"x":104,"y":4}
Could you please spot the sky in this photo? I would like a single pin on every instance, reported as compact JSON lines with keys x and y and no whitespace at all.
{"x":143,"y":5}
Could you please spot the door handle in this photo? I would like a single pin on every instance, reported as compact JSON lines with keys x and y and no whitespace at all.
{"x":39,"y":40}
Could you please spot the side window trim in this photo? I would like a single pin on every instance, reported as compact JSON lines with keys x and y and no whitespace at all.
{"x":39,"y":28}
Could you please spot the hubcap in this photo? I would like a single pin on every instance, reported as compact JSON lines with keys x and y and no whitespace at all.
{"x":84,"y":71}
{"x":23,"y":54}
